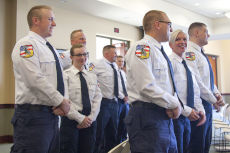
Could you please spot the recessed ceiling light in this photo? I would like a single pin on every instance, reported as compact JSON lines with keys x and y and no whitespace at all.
{"x":218,"y":13}
{"x":197,"y":4}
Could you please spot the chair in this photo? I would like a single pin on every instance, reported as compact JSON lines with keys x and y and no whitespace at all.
{"x":123,"y":147}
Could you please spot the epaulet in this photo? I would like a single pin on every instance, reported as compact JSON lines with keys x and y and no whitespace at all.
{"x":142,"y":51}
{"x":190,"y":56}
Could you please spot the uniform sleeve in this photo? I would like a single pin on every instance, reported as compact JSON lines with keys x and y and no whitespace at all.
{"x":145,"y":81}
{"x":96,"y":103}
{"x":30,"y":71}
{"x":186,"y":111}
{"x":73,"y":113}
{"x":205,"y":92}
{"x":66,"y":60}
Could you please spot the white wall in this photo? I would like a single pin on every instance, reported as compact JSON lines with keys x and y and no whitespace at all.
{"x":221,"y":49}
{"x":69,"y":20}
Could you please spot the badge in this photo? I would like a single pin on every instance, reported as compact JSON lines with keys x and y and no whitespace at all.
{"x":190,"y":56}
{"x":26,"y":51}
{"x":91,"y":66}
{"x":142,"y":51}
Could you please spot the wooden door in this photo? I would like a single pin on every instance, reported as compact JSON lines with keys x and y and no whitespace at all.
{"x":213,"y":61}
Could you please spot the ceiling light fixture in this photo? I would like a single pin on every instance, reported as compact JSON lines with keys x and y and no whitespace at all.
{"x":227,"y":14}
{"x":197,"y":4}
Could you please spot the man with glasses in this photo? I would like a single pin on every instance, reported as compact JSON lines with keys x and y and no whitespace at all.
{"x":78,"y":131}
{"x":151,"y":89}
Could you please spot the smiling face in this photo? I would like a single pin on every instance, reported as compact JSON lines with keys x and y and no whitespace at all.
{"x":79,"y":57}
{"x":78,"y":38}
{"x":44,"y":24}
{"x":180,"y":44}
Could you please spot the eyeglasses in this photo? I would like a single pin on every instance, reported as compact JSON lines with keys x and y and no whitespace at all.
{"x":169,"y":23}
{"x":80,"y":55}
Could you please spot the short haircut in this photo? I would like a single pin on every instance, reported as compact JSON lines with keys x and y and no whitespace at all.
{"x":36,"y":12}
{"x":75,"y":31}
{"x":107,"y":48}
{"x":150,"y":17}
{"x":75,"y":46}
{"x":194,"y":26}
{"x":119,"y":56}
{"x":174,"y":35}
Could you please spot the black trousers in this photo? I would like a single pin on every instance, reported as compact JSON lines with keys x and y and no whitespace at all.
{"x":74,"y":140}
{"x":35,"y":129}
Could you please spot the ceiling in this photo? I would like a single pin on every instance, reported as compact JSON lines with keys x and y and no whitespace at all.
{"x":132,"y":11}
{"x":209,"y":8}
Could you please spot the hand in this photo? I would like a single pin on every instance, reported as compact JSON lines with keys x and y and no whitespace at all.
{"x":126,"y":99}
{"x":173,"y":113}
{"x":217,"y":107}
{"x":202,"y":119}
{"x":85,"y":123}
{"x":220,"y":100}
{"x":63,"y":108}
{"x":193,"y":116}
{"x":58,"y":111}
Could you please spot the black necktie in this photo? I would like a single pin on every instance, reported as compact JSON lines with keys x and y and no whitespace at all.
{"x":210,"y":70}
{"x":171,"y":73}
{"x":115,"y":81}
{"x":123,"y":85}
{"x":190,"y":90}
{"x":85,"y":96}
{"x":60,"y":82}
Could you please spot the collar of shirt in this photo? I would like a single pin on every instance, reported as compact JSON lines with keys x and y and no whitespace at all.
{"x":108,"y":62}
{"x":194,"y":45}
{"x":176,"y":57}
{"x":152,"y":40}
{"x":38,"y":37}
{"x":76,"y":71}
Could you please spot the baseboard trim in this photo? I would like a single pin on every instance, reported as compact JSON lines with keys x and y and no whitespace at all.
{"x":2,"y":106}
{"x":6,"y":139}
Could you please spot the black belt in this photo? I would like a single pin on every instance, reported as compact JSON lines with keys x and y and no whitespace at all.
{"x":31,"y":107}
{"x":110,"y":100}
{"x":145,"y":104}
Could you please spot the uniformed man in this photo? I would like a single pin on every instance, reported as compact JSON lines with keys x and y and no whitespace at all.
{"x":78,"y":131}
{"x":123,"y":105}
{"x":109,"y":82}
{"x":201,"y":136}
{"x":188,"y":91}
{"x":39,"y":87}
{"x":151,"y":89}
{"x":76,"y":37}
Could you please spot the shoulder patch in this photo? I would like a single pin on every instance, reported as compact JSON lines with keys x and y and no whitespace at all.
{"x":91,"y":66}
{"x":142,"y":51}
{"x":26,"y":51}
{"x":190,"y":56}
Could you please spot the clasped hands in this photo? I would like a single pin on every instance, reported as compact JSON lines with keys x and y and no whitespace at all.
{"x":193,"y":116}
{"x":63,"y":108}
{"x":219,"y":103}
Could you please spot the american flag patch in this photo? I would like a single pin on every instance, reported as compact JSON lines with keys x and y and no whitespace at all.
{"x":142,"y":51}
{"x":26,"y":51}
{"x":190,"y":56}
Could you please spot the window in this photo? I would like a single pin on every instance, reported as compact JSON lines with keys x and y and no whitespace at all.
{"x":121,"y":45}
